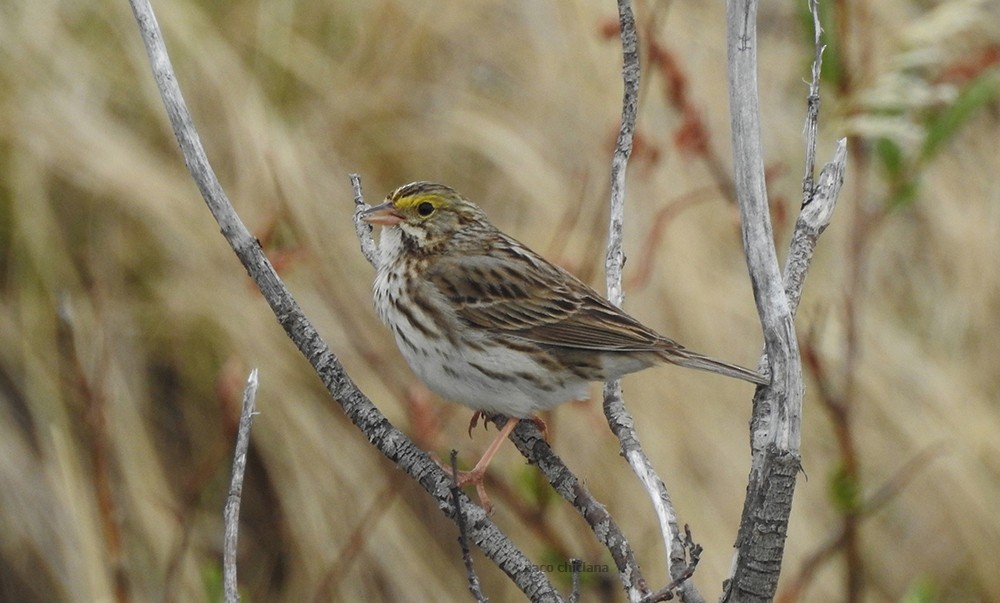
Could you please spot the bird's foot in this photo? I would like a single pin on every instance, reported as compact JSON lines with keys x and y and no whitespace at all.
{"x":474,"y":421}
{"x":542,"y":427}
{"x":475,"y":478}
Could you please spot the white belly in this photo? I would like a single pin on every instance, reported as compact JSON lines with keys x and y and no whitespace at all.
{"x":492,"y":380}
{"x":478,"y":372}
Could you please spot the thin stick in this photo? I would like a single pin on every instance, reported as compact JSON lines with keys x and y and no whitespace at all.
{"x":615,"y":260}
{"x":812,"y":105}
{"x":693,"y":551}
{"x":574,"y":595}
{"x":463,"y":539}
{"x":812,"y":221}
{"x":231,"y":515}
{"x":619,"y":419}
{"x":368,"y":248}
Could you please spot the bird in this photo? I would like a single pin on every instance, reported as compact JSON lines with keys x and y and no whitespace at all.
{"x":486,"y":322}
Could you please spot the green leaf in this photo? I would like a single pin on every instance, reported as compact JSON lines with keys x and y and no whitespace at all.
{"x":844,"y":490}
{"x":211,"y":579}
{"x":904,"y":193}
{"x":944,"y":124}
{"x":922,"y":590}
{"x":890,"y":154}
{"x":904,"y":186}
{"x":533,"y":487}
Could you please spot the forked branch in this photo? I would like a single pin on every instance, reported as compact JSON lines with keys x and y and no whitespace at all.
{"x":775,"y":425}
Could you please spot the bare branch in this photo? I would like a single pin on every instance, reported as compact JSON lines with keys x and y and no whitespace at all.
{"x":813,"y":219}
{"x":693,"y":551}
{"x":531,"y":443}
{"x":368,"y":248}
{"x":463,"y":540}
{"x":615,"y":260}
{"x":812,"y":105}
{"x":775,"y":425}
{"x":391,"y":442}
{"x":574,"y":595}
{"x":231,"y":514}
{"x":619,"y":419}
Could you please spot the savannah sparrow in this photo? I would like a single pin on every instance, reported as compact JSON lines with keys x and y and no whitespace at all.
{"x":489,"y":323}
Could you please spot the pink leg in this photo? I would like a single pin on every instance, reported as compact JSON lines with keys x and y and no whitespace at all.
{"x":475,"y":477}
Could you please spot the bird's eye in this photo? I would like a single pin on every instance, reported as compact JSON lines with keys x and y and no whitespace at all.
{"x":425,"y":209}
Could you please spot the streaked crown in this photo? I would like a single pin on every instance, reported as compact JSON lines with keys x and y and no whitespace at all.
{"x":432,"y":214}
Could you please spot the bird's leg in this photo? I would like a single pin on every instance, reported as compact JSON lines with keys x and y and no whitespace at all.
{"x":476,"y":475}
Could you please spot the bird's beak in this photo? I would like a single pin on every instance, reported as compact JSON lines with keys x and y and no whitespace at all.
{"x":383,"y":215}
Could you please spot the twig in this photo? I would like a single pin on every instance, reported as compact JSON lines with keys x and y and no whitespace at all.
{"x":619,"y":419}
{"x":615,"y":260}
{"x":391,"y":442}
{"x":463,"y":540}
{"x":819,"y":198}
{"x":812,"y":221}
{"x":229,"y":389}
{"x":368,"y":248}
{"x":574,"y":565}
{"x":231,"y":514}
{"x":812,"y":105}
{"x":693,"y":551}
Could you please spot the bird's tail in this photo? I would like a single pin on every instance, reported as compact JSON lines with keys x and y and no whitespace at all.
{"x":697,"y":361}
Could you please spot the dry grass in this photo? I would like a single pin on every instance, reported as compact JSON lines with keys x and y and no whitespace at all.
{"x":126,"y":325}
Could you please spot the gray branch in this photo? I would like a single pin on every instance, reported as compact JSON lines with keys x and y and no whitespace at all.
{"x":812,"y":221}
{"x":775,"y":421}
{"x":775,"y":425}
{"x":619,"y":419}
{"x":475,"y":588}
{"x":391,"y":442}
{"x":532,"y":445}
{"x":364,"y":229}
{"x":231,"y":514}
{"x":812,"y":105}
{"x":615,"y":260}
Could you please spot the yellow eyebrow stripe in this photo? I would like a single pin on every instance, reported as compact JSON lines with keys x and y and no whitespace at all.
{"x":415,"y":200}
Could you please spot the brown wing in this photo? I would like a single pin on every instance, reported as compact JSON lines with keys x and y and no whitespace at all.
{"x":514,"y":290}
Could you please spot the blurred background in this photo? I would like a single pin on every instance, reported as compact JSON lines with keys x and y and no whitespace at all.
{"x":127,"y":326}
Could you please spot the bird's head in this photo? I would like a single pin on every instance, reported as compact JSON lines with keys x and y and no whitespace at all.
{"x":428,"y":215}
